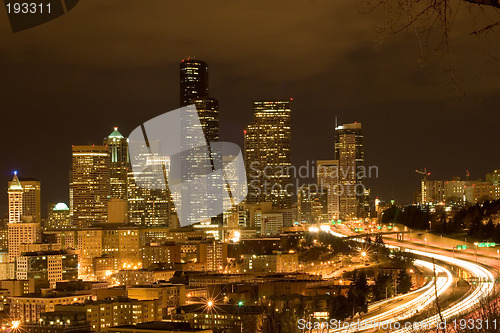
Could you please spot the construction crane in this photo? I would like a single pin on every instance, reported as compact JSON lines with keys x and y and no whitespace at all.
{"x":424,"y":172}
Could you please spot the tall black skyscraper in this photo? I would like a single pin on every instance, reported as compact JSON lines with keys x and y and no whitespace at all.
{"x":194,"y":90}
{"x":350,"y":154}
{"x":194,"y":80}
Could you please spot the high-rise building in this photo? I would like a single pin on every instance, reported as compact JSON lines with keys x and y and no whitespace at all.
{"x":199,"y":161}
{"x":328,"y":180}
{"x":15,"y":193}
{"x":31,"y":199}
{"x":349,"y":151}
{"x":19,"y":234}
{"x":118,"y":164}
{"x":19,"y":231}
{"x":149,"y":204}
{"x":194,"y":80}
{"x":268,"y":154}
{"x":312,"y":204}
{"x":59,"y":217}
{"x":208,"y":112}
{"x":89,"y":184}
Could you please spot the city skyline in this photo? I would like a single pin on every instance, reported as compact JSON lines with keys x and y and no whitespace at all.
{"x":249,"y":166}
{"x":342,"y":70}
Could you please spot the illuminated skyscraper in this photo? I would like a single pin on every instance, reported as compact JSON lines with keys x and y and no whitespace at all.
{"x":268,"y":154}
{"x":31,"y":206}
{"x":328,"y":179}
{"x":118,"y":164}
{"x":349,"y":152}
{"x":193,"y":81}
{"x":194,"y":90}
{"x":15,"y":192}
{"x":59,"y":217}
{"x":89,"y":184}
{"x":149,"y":205}
{"x":19,"y":232}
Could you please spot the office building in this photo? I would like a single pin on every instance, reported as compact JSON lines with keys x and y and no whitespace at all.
{"x":268,"y":154}
{"x":30,"y":307}
{"x":193,"y":81}
{"x":89,"y":184}
{"x":328,"y":180}
{"x":31,"y":206}
{"x":349,"y":151}
{"x":117,"y":311}
{"x":494,"y":177}
{"x":158,"y":327}
{"x":149,"y":204}
{"x":59,"y":217}
{"x":52,"y":266}
{"x":15,"y":193}
{"x":60,"y":322}
{"x":118,"y":164}
{"x":20,"y":234}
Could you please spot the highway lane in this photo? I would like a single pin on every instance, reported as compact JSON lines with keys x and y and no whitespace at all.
{"x":465,"y":305}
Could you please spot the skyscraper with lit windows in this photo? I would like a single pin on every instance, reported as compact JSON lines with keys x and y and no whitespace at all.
{"x":19,"y":231}
{"x":15,"y":193}
{"x":268,"y":154}
{"x":118,"y":164}
{"x":193,"y":81}
{"x":89,"y":184}
{"x":349,"y":152}
{"x":194,"y":90}
{"x":31,"y":198}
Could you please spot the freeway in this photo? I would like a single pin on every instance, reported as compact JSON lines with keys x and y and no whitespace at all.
{"x":465,"y":305}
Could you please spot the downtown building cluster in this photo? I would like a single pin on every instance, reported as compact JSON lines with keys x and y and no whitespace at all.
{"x":115,"y":256}
{"x":457,"y":191}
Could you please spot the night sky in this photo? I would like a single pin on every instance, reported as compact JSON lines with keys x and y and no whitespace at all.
{"x":115,"y":63}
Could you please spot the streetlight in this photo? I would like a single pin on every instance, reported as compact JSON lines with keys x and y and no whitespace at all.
{"x":15,"y":324}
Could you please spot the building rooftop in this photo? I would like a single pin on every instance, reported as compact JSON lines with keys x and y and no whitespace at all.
{"x":61,"y":206}
{"x":115,"y":134}
{"x":162,"y":326}
{"x":220,"y":309}
{"x":15,"y":184}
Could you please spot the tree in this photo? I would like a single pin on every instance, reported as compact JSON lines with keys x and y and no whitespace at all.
{"x":358,"y":293}
{"x":383,"y":287}
{"x":404,"y":282}
{"x":280,"y":320}
{"x":339,"y":307}
{"x":431,"y":22}
{"x":391,"y":214}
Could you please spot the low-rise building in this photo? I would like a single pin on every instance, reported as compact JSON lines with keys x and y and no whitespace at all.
{"x":59,"y":322}
{"x":117,"y":311}
{"x":220,"y":317}
{"x":28,"y":308}
{"x":158,"y":327}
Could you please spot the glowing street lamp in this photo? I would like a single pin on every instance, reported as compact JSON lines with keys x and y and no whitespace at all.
{"x":15,"y":324}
